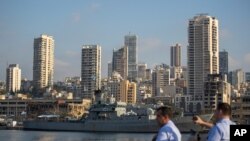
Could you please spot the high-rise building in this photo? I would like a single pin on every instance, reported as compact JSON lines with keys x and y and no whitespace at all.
{"x":223,"y":62}
{"x":13,"y":78}
{"x":160,"y":79}
{"x":175,"y":55}
{"x":217,"y":90}
{"x":236,"y":78}
{"x":120,"y":61}
{"x":91,"y":70}
{"x":131,"y":42}
{"x":142,"y":71}
{"x":203,"y":54}
{"x":43,"y":63}
{"x":110,"y":70}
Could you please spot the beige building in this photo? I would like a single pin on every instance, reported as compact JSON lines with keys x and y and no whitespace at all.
{"x":121,"y":89}
{"x":91,"y":70}
{"x":114,"y":85}
{"x":217,"y":90}
{"x":160,"y":79}
{"x":120,"y":61}
{"x":31,"y":108}
{"x":43,"y":63}
{"x":13,"y":78}
{"x":203,"y":53}
{"x":128,"y":92}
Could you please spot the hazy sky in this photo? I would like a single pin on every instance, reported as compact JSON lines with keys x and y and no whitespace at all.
{"x":158,"y":24}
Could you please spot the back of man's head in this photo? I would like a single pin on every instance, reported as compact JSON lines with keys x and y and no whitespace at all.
{"x":225,"y":108}
{"x":165,"y":111}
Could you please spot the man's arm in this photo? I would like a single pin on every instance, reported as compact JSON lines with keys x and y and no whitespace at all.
{"x":198,"y":120}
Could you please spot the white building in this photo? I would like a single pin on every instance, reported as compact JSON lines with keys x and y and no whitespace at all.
{"x":13,"y":78}
{"x":91,"y":70}
{"x":43,"y":63}
{"x":203,"y":53}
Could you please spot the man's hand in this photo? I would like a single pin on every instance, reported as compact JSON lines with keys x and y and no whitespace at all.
{"x":198,"y":120}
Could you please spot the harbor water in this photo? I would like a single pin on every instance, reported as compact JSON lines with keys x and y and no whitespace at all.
{"x":20,"y":135}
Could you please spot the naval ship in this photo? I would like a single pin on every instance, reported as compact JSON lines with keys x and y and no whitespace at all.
{"x":115,"y":117}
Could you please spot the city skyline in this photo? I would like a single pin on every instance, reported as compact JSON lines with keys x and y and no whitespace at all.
{"x":97,"y":22}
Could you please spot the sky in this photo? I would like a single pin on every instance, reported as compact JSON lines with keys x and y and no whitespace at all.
{"x":73,"y":23}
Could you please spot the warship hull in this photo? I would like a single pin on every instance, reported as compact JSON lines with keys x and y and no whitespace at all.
{"x":184,"y":124}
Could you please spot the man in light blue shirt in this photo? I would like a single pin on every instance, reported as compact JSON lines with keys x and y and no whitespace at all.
{"x":221,"y":130}
{"x":168,"y":130}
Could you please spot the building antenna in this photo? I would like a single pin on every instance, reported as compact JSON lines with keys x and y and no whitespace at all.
{"x":202,"y":14}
